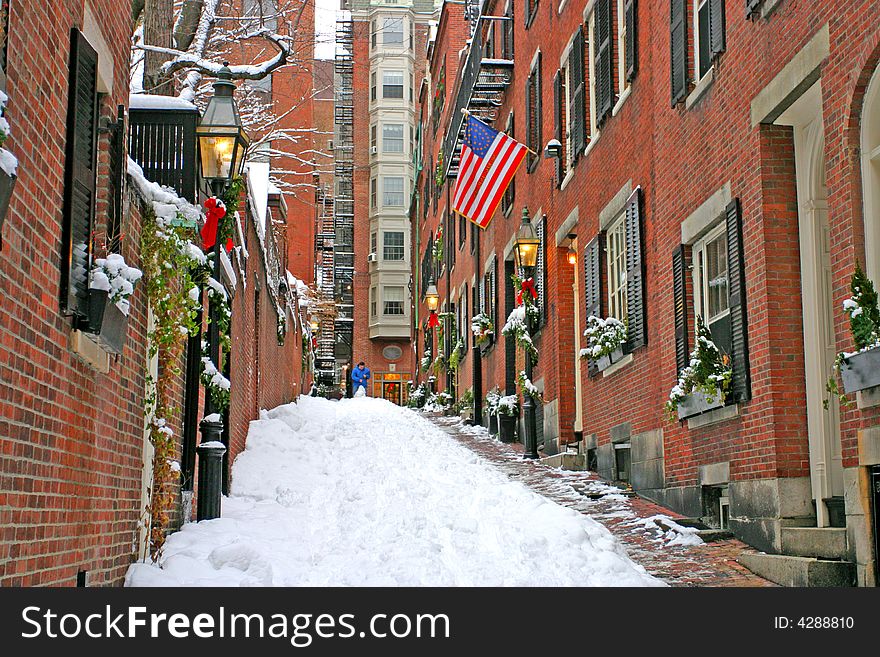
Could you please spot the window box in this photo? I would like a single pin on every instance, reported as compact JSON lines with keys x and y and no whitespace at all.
{"x":7,"y":183}
{"x":861,"y":370}
{"x":604,"y":362}
{"x":106,"y":322}
{"x":507,"y":426}
{"x":697,"y":403}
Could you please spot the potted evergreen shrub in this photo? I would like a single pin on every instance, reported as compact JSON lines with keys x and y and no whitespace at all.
{"x":8,"y":164}
{"x":508,"y":412}
{"x":111,"y":283}
{"x":605,"y":340}
{"x":860,"y":369}
{"x":465,"y":406}
{"x":703,"y":384}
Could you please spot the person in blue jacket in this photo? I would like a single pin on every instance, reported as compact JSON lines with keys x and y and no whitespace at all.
{"x":359,"y":376}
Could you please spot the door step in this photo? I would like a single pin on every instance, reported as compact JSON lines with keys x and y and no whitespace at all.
{"x":821,"y":542}
{"x":800,"y":571}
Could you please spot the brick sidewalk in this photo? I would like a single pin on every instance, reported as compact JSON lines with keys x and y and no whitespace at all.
{"x":630,"y":519}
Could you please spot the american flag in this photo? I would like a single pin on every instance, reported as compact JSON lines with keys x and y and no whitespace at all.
{"x":489,"y":159}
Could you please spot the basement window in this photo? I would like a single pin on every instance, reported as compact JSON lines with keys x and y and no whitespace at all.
{"x":622,"y":461}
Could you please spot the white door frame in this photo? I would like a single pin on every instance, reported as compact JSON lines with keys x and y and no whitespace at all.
{"x":870,"y":149}
{"x":823,"y":425}
{"x":578,"y":334}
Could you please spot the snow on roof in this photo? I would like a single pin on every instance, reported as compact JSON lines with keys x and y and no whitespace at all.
{"x":148,"y":101}
{"x":258,"y":190}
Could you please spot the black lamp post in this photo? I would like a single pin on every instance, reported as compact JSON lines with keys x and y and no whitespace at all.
{"x":222,"y":144}
{"x":525,"y":253}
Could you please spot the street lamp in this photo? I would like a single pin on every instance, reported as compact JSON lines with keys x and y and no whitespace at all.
{"x":222,"y":144}
{"x":525,"y":253}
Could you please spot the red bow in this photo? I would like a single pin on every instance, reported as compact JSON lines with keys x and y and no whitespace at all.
{"x":433,"y":320}
{"x":527,"y":285}
{"x":215,"y":212}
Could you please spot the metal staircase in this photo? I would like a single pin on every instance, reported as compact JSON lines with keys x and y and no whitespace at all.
{"x":325,"y":356}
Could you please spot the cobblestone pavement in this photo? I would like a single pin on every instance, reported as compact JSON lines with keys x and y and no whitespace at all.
{"x":647,"y":531}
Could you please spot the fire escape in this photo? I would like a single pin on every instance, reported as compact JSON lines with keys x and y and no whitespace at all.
{"x":482,"y":82}
{"x":325,"y":356}
{"x":343,"y":211}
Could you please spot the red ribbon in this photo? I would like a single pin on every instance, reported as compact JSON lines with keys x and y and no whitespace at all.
{"x":215,"y":212}
{"x":527,"y":285}
{"x":433,"y":320}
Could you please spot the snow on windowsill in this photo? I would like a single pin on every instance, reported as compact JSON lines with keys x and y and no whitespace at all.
{"x":622,"y":99}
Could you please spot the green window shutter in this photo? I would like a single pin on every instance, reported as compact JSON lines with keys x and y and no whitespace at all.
{"x":604,"y":61}
{"x":636,"y":309}
{"x":558,"y":119}
{"x":541,"y":270}
{"x":80,"y":175}
{"x":717,"y":39}
{"x":593,"y":253}
{"x":631,"y":64}
{"x":680,"y":267}
{"x":740,"y":385}
{"x":576,"y":93}
{"x":678,"y":67}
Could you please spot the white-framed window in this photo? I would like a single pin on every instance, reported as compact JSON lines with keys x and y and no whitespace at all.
{"x":392,"y":191}
{"x":702,"y":40}
{"x":373,"y":193}
{"x":392,"y":84}
{"x":392,"y":245}
{"x":615,"y":266}
{"x":392,"y":31}
{"x":711,"y":285}
{"x":373,"y":238}
{"x":392,"y":300}
{"x":373,"y":133}
{"x":392,"y":138}
{"x":565,"y":108}
{"x":372,"y":301}
{"x":709,"y":35}
{"x":374,"y":30}
{"x":373,"y":85}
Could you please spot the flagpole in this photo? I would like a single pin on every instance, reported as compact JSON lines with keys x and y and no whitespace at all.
{"x":477,"y":118}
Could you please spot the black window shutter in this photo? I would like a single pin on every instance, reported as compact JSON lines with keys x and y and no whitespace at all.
{"x":558,"y":120}
{"x":632,"y":56}
{"x":740,"y":385}
{"x":635,"y":273}
{"x":80,"y":174}
{"x":593,"y":284}
{"x":680,"y":266}
{"x":716,"y":27}
{"x":493,"y":297}
{"x":678,"y":49}
{"x":576,"y":95}
{"x":604,"y":61}
{"x":527,"y":12}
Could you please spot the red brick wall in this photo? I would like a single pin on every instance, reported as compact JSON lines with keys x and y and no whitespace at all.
{"x":71,"y":439}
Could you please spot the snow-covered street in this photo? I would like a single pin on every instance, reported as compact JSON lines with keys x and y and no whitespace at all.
{"x":363,"y":493}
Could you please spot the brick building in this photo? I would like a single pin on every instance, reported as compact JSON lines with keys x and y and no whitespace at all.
{"x":388,"y":56}
{"x":714,"y":159}
{"x":75,"y":466}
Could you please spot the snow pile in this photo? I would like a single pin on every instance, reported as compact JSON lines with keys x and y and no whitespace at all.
{"x":363,"y":493}
{"x":669,"y":531}
{"x":8,"y":161}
